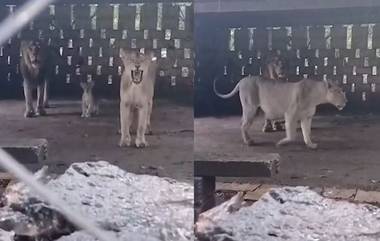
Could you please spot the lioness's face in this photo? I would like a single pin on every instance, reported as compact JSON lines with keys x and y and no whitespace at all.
{"x":136,"y":64}
{"x":31,"y":50}
{"x":336,"y":96}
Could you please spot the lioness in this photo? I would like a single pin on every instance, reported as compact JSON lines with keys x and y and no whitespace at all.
{"x":136,"y":93}
{"x":34,"y":67}
{"x":90,"y":105}
{"x":295,"y":101}
{"x":274,"y":70}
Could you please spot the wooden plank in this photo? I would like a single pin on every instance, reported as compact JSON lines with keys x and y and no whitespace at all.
{"x":258,"y":193}
{"x":346,"y":194}
{"x":239,"y":187}
{"x":259,"y":165}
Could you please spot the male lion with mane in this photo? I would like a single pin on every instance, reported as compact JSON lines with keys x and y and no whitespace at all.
{"x":296,"y":101}
{"x":136,"y":94}
{"x":274,"y":70}
{"x":34,"y":67}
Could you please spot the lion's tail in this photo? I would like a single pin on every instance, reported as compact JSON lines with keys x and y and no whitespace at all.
{"x":226,"y":96}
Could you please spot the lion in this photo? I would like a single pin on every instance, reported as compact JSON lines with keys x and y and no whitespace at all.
{"x":274,"y":70}
{"x":34,"y":69}
{"x":136,"y":94}
{"x":90,"y":104}
{"x":274,"y":67}
{"x":296,"y":101}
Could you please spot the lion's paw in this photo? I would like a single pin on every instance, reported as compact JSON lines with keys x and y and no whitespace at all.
{"x":312,"y":145}
{"x":249,"y":142}
{"x":29,"y":114}
{"x":124,"y":142}
{"x":41,"y":112}
{"x":283,"y":142}
{"x":141,"y":144}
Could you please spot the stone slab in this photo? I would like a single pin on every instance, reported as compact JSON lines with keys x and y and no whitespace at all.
{"x":259,"y":165}
{"x":26,"y":151}
{"x":367,"y":196}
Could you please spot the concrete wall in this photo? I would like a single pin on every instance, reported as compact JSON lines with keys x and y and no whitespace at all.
{"x":203,"y":6}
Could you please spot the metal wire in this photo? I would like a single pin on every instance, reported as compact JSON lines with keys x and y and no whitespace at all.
{"x":15,"y":22}
{"x":10,"y":26}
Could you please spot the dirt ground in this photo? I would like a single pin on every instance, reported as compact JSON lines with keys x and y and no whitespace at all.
{"x":74,"y":139}
{"x":348,"y":153}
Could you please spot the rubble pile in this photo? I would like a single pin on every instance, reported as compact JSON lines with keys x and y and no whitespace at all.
{"x":290,"y":213}
{"x":133,"y":207}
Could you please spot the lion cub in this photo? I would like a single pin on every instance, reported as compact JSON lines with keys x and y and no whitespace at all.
{"x":136,"y":94}
{"x":90,"y":105}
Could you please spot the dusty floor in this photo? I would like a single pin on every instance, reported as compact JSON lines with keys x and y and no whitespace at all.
{"x":348,"y":153}
{"x":74,"y":139}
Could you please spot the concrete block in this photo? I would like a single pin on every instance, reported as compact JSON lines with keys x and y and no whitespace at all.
{"x":26,"y":151}
{"x":367,"y":197}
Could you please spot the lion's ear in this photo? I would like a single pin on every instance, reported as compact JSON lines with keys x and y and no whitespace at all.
{"x":150,"y":55}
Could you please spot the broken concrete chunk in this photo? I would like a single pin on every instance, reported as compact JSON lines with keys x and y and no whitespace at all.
{"x":17,"y":193}
{"x":13,"y":221}
{"x":291,"y":213}
{"x":6,"y":236}
{"x":26,"y":150}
